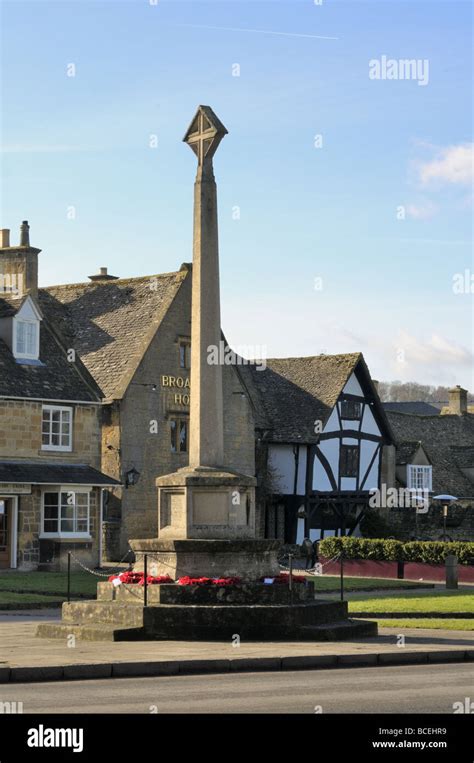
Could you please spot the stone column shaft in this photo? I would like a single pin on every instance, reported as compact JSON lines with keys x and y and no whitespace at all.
{"x":206,"y":409}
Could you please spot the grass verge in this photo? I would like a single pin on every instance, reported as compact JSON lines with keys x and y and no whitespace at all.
{"x":414,"y":603}
{"x":431,"y":623}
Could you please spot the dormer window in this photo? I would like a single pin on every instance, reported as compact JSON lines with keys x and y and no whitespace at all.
{"x":26,"y":332}
{"x":26,"y":340}
{"x":419,"y":477}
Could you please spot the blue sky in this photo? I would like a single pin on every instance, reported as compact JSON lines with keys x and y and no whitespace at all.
{"x":390,"y":149}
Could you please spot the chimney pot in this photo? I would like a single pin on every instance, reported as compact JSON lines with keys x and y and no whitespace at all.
{"x":4,"y":238}
{"x":24,"y":233}
{"x":103,"y":275}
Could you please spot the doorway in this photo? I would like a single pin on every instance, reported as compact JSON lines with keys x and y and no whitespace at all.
{"x":5,"y":533}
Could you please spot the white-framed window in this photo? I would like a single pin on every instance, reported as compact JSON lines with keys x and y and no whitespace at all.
{"x":65,"y":512}
{"x":56,"y":428}
{"x":26,"y":339}
{"x":419,"y":477}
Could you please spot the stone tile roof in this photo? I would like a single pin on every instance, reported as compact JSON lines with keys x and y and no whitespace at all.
{"x":441,"y":437}
{"x":291,"y":394}
{"x":420,"y":408}
{"x":463,"y":455}
{"x":9,"y":305}
{"x":55,"y":378}
{"x":406,"y":450}
{"x":111,"y":323}
{"x":31,"y":473}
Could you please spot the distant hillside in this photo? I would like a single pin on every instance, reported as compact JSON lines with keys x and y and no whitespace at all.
{"x":401,"y":392}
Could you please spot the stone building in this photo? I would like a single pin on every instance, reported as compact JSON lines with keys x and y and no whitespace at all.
{"x":435,"y":452}
{"x":51,"y":486}
{"x":130,"y":344}
{"x":133,"y":335}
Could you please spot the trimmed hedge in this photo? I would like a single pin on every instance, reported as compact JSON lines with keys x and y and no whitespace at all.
{"x":388,"y":550}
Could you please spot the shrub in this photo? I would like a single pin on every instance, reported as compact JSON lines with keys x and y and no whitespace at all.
{"x":389,"y":550}
{"x":374,"y":525}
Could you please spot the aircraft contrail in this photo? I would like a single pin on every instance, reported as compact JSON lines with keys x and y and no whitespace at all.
{"x":258,"y":31}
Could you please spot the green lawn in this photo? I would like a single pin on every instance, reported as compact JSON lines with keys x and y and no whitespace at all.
{"x":50,"y":582}
{"x":430,"y":622}
{"x":16,"y":600}
{"x":29,"y":588}
{"x":327,"y":583}
{"x":433,"y":601}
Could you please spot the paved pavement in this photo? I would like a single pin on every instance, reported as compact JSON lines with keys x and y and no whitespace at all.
{"x":402,"y":689}
{"x":21,"y":650}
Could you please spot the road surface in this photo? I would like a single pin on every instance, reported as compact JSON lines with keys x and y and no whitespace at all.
{"x":403,"y":689}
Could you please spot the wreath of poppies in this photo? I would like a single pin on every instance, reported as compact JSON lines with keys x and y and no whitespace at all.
{"x":284,"y":578}
{"x":138,"y":578}
{"x":187,"y":580}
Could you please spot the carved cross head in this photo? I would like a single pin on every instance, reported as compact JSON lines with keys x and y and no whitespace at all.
{"x":204,"y":134}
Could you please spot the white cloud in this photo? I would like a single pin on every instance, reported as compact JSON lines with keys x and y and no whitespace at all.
{"x":452,"y":165}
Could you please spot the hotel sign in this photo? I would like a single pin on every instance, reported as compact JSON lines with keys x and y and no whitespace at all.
{"x":177,"y":383}
{"x":12,"y":487}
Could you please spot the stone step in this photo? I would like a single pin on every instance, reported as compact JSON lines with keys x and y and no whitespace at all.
{"x":91,"y":632}
{"x":103,"y":612}
{"x":172,"y":593}
{"x":339,"y":631}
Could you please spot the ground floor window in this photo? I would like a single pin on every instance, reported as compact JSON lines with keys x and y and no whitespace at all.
{"x":66,"y":512}
{"x":179,"y":435}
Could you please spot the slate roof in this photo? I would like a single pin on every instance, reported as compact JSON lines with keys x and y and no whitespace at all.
{"x":54,"y":379}
{"x":111,"y":323}
{"x":9,"y":305}
{"x":406,"y":450}
{"x":419,"y":408}
{"x":463,"y":456}
{"x":441,"y":437}
{"x":291,"y":394}
{"x":32,"y":473}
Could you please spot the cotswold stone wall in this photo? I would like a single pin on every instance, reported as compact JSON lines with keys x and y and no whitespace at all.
{"x":20,"y":433}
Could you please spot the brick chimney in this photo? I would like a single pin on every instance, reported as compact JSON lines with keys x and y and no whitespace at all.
{"x":457,"y":401}
{"x":18,"y":264}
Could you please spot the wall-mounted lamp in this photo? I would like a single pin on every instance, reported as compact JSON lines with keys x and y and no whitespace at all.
{"x":131,"y":477}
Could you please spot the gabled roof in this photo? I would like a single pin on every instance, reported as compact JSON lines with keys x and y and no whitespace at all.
{"x":54,"y":378}
{"x":441,"y":437}
{"x":291,"y":394}
{"x":110,"y":324}
{"x":407,"y":449}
